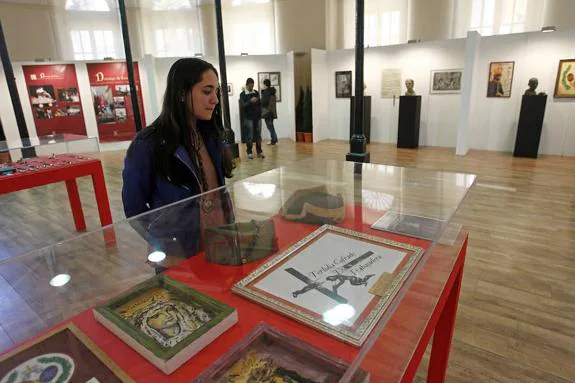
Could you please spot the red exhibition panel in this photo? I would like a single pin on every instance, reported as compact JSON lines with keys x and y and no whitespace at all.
{"x":112,"y":101}
{"x":55,"y":99}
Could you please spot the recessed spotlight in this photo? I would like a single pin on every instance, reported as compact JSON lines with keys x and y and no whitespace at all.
{"x":157,"y":256}
{"x":549,"y":29}
{"x":198,"y":54}
{"x":60,"y":280}
{"x":243,"y":54}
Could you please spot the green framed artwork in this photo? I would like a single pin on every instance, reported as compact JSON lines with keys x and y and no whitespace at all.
{"x":166,"y":321}
{"x":565,"y":82}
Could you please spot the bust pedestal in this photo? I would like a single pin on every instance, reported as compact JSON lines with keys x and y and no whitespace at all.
{"x":366,"y":117}
{"x":408,"y":125}
{"x":530,"y":126}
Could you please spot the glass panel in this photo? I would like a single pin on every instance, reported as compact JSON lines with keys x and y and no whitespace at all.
{"x":263,"y":234}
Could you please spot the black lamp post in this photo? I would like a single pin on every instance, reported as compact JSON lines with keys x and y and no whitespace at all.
{"x":358,"y":147}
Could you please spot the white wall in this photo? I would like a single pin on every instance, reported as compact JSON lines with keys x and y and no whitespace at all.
{"x":320,"y":95}
{"x":239,"y":68}
{"x":439,"y":113}
{"x":536,"y":55}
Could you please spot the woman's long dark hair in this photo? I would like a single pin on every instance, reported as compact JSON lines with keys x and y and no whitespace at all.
{"x":173,"y":127}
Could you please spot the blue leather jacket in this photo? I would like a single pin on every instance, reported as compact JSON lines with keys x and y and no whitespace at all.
{"x":174,"y":229}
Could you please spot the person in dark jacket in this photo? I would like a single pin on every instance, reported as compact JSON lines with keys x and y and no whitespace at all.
{"x":252,"y":108}
{"x":180,"y":155}
{"x":269,"y":112}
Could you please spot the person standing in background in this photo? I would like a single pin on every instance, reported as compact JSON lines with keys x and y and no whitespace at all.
{"x":269,"y":111}
{"x":251,"y":104}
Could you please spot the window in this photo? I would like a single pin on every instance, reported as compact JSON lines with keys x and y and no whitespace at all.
{"x":174,"y":42}
{"x":173,"y":28}
{"x":251,"y":26}
{"x":91,"y":45}
{"x":171,"y":5}
{"x":493,"y":17}
{"x":87,"y":5}
{"x":385,"y":22}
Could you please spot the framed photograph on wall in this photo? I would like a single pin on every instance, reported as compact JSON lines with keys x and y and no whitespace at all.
{"x":446,"y":81}
{"x":335,"y":280}
{"x":275,"y":81}
{"x":500,"y":79}
{"x":565,"y":82}
{"x":343,"y":84}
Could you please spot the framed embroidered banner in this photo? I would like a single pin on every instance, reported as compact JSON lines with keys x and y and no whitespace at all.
{"x":63,"y":355}
{"x":272,"y":356}
{"x":336,"y":280}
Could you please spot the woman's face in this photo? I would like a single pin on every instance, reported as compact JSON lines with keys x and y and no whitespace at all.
{"x":203,"y":98}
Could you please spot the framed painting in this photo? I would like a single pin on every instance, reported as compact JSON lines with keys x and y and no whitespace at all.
{"x":64,"y":355}
{"x":565,"y":82}
{"x":335,"y":280}
{"x":275,"y":81}
{"x":500,"y":79}
{"x":446,"y":81}
{"x":165,"y":321}
{"x":343,"y":84}
{"x":272,"y":356}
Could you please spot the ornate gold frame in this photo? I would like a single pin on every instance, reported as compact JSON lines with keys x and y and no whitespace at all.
{"x":355,"y":337}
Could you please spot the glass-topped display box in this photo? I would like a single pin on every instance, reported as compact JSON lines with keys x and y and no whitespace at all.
{"x":57,"y":143}
{"x":300,"y":272}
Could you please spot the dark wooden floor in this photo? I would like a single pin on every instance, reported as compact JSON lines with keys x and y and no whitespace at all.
{"x":516,"y":320}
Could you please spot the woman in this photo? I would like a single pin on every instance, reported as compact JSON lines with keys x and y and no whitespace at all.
{"x":269,"y":112}
{"x":180,"y":155}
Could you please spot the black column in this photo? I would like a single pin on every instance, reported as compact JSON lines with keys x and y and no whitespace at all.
{"x":230,"y":135}
{"x":358,"y":147}
{"x":13,"y":90}
{"x":130,"y":64}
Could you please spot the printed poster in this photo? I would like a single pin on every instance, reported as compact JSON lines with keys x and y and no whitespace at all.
{"x":112,"y":102}
{"x":54,"y":99}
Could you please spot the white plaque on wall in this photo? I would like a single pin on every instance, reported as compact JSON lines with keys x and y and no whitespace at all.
{"x":391,"y":83}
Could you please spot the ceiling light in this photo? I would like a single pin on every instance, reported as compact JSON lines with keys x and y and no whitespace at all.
{"x":550,"y":28}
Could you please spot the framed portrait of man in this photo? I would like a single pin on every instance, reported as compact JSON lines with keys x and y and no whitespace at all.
{"x":500,"y":79}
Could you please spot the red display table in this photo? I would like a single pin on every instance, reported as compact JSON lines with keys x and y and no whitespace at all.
{"x":33,"y":172}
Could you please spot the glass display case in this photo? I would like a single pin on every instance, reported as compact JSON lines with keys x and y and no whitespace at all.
{"x":319,"y":270}
{"x":51,"y":144}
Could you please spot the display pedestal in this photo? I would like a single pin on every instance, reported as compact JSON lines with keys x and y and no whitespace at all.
{"x":366,"y":117}
{"x":530,"y":126}
{"x":408,"y":126}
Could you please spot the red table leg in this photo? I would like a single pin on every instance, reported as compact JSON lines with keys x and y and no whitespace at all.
{"x":76,"y":204}
{"x":103,"y":206}
{"x":444,"y":334}
{"x":102,"y":197}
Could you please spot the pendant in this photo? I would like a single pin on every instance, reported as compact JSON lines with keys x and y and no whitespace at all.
{"x":207,"y":205}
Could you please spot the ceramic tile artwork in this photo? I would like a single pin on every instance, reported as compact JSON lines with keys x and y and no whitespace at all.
{"x":161,"y":315}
